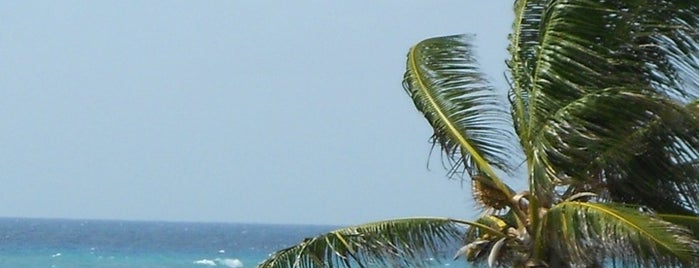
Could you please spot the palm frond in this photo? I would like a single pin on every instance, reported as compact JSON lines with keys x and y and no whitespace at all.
{"x":469,"y":121}
{"x":391,"y":243}
{"x":690,"y":222}
{"x":649,"y":161}
{"x":665,"y":177}
{"x":578,"y":50}
{"x":592,"y":233}
{"x":589,"y":45}
{"x":629,"y":144}
{"x":694,"y":107}
{"x":523,"y":48}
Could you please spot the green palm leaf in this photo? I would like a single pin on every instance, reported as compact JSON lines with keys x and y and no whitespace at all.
{"x":391,"y":243}
{"x":592,"y":233}
{"x":468,"y":119}
{"x":665,"y":184}
{"x":694,"y":107}
{"x":588,"y":45}
{"x":691,"y":222}
{"x":629,"y":145}
{"x":575,"y":53}
{"x":523,"y":48}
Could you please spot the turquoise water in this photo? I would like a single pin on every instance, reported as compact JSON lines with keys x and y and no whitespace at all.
{"x":92,"y":243}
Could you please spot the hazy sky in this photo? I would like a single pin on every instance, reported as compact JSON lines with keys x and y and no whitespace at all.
{"x":235,"y":111}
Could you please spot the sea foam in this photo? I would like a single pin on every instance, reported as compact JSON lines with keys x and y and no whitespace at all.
{"x":205,"y":262}
{"x":232,"y":263}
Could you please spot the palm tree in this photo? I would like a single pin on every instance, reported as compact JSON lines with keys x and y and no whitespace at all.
{"x":604,"y":121}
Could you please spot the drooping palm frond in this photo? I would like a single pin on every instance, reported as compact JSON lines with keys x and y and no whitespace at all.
{"x":664,"y":177}
{"x":629,"y":145}
{"x":592,"y":233}
{"x":469,"y":121}
{"x":691,"y":222}
{"x":589,"y":45}
{"x":391,"y":243}
{"x":694,"y":107}
{"x":672,"y":40}
{"x":575,"y":51}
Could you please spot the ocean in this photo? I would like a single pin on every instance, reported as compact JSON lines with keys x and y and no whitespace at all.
{"x":97,"y":243}
{"x":60,"y":243}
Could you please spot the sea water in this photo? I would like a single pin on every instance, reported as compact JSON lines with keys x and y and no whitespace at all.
{"x":97,"y":243}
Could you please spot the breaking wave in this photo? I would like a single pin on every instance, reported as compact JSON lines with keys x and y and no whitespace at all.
{"x":231,"y":263}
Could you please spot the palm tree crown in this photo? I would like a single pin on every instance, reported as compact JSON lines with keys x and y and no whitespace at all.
{"x":604,"y":114}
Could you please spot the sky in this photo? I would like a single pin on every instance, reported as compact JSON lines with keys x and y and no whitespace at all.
{"x":226,"y":111}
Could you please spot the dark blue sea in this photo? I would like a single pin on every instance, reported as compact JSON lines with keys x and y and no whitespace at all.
{"x":97,"y":243}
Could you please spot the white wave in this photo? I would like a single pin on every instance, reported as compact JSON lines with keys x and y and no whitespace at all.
{"x":205,"y":262}
{"x":232,"y":263}
{"x":56,"y":255}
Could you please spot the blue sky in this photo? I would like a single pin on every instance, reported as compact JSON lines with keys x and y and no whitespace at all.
{"x":234,"y":111}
